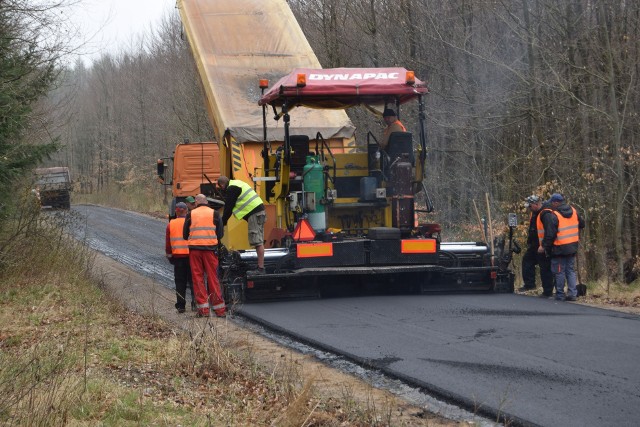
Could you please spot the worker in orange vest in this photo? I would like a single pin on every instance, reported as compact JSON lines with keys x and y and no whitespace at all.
{"x":393,"y":125}
{"x":177,"y":251}
{"x":559,"y":233}
{"x":202,"y":229}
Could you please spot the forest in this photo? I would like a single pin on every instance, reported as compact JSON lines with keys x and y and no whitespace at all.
{"x":526,"y":97}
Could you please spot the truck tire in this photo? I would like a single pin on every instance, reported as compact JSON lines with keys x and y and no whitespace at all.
{"x":65,"y":201}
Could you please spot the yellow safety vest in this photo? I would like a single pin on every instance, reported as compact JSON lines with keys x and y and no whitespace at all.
{"x":247,"y":201}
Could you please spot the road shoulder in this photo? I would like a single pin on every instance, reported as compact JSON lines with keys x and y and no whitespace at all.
{"x":141,"y":294}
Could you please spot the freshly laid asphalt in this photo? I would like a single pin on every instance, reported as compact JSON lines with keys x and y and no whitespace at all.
{"x":538,"y":361}
{"x":535,"y":361}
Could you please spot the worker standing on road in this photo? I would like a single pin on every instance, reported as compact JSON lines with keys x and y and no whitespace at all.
{"x":393,"y":125}
{"x":532,"y":257}
{"x":200,"y":232}
{"x":177,"y":251}
{"x":244,"y":203}
{"x":559,"y":234}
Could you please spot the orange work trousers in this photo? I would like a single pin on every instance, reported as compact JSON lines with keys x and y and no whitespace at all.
{"x":207,"y":294}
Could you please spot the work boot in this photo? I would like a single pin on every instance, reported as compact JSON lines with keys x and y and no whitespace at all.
{"x":526,"y":288}
{"x":257,"y":271}
{"x":570,"y":298}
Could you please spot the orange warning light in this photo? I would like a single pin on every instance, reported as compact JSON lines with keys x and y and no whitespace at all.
{"x":301,"y":80}
{"x":303,"y":232}
{"x":264,"y":83}
{"x":410,"y":78}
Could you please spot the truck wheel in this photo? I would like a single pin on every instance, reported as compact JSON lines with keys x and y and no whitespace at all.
{"x":66,"y":204}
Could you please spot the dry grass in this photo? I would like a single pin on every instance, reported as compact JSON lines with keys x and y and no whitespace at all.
{"x":149,"y":198}
{"x":614,"y":296}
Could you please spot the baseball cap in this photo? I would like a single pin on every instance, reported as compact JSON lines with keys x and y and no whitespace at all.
{"x":181,"y":205}
{"x":531,"y":200}
{"x":190,"y":199}
{"x":556,"y":197}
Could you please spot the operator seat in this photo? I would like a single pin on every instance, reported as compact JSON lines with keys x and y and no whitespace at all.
{"x":400,"y":143}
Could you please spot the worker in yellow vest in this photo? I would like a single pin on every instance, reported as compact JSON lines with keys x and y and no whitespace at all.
{"x":559,"y":232}
{"x":241,"y":201}
{"x":177,"y":251}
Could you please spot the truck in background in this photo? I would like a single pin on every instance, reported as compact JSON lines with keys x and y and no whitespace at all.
{"x":193,"y":168}
{"x":53,"y":187}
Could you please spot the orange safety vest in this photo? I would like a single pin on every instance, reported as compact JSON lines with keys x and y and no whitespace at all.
{"x":568,"y":230}
{"x":387,"y":130}
{"x":179,"y":246}
{"x":202,"y":231}
{"x":539,"y":224}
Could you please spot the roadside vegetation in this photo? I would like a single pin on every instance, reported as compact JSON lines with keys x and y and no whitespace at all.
{"x":147,"y":199}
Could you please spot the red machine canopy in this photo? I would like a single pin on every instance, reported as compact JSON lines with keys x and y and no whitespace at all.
{"x":343,"y":88}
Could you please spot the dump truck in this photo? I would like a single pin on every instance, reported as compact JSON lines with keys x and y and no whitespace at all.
{"x":343,"y":215}
{"x":53,"y":187}
{"x":193,"y":168}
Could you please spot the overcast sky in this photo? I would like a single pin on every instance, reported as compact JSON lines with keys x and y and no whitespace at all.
{"x":112,"y":25}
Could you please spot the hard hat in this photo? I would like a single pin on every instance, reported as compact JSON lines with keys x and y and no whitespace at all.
{"x":533,"y":199}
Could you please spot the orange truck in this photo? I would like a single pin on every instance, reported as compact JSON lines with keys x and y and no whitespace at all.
{"x":193,"y":168}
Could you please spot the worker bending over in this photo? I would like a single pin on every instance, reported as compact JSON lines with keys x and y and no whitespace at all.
{"x":242,"y":202}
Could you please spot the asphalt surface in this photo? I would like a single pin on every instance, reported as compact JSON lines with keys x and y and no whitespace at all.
{"x":535,"y":361}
